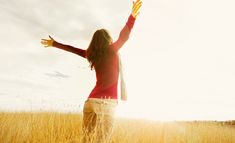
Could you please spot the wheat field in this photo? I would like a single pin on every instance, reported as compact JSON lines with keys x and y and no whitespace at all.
{"x":52,"y":127}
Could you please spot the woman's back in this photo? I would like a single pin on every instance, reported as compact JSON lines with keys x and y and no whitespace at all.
{"x":107,"y":71}
{"x":107,"y":76}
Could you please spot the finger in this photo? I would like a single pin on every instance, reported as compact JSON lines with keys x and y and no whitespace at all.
{"x":138,"y":13}
{"x":137,"y":7}
{"x":133,"y":4}
{"x":136,"y":10}
{"x":137,"y":2}
{"x":44,"y":42}
{"x":44,"y":39}
{"x":51,"y":37}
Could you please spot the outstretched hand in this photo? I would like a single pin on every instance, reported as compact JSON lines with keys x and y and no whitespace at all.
{"x":47,"y":42}
{"x":136,"y":8}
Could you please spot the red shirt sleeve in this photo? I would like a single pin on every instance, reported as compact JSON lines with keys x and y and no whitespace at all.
{"x":71,"y":49}
{"x":124,"y":34}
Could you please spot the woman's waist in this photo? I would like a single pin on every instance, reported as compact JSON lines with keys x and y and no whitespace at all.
{"x":103,"y":100}
{"x":109,"y":92}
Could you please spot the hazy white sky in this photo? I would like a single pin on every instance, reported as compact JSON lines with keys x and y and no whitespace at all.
{"x":179,"y":61}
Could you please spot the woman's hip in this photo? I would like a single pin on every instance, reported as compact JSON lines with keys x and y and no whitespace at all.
{"x":100,"y":106}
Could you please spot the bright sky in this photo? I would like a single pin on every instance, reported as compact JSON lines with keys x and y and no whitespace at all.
{"x":179,"y":61}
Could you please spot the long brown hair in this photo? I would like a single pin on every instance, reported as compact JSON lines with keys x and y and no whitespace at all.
{"x":99,"y":47}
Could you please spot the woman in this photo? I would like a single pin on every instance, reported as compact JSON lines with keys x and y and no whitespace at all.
{"x":102,"y":55}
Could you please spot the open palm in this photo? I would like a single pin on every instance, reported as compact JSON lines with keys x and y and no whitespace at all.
{"x":136,"y":8}
{"x":47,"y":42}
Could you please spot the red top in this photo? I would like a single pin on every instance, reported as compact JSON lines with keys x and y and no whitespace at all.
{"x":108,"y":71}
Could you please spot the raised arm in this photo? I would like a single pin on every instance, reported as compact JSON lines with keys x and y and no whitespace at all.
{"x":126,"y":30}
{"x":52,"y":43}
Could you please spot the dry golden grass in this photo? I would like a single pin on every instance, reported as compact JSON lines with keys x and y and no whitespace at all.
{"x":51,"y":127}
